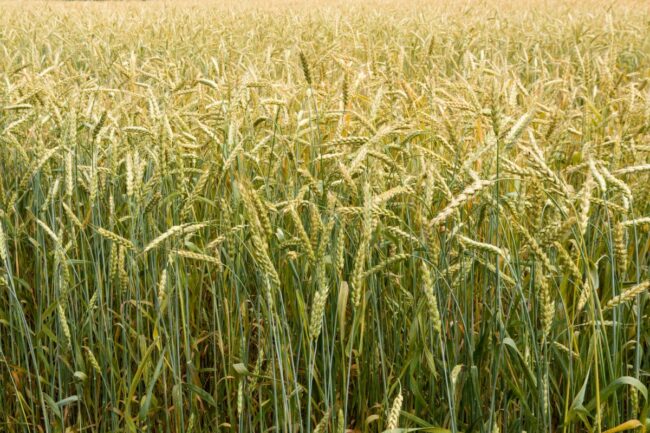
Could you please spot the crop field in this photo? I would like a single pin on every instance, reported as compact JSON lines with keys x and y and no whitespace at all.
{"x":311,"y":217}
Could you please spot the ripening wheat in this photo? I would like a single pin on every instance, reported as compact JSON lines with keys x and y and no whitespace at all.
{"x":324,"y":217}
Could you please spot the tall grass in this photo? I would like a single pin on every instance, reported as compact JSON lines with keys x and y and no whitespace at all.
{"x":324,"y":218}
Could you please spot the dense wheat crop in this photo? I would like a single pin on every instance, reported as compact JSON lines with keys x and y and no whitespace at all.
{"x":324,"y":218}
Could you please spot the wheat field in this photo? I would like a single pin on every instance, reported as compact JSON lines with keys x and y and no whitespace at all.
{"x":310,"y":217}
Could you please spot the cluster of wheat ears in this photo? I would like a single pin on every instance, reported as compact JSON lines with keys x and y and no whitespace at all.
{"x":324,"y":219}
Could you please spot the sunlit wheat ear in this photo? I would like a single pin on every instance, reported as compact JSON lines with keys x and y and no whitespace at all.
{"x":63,"y":321}
{"x":261,"y":255}
{"x":191,"y":423}
{"x":322,"y":424}
{"x":620,"y":185}
{"x":325,"y":242}
{"x":392,"y":421}
{"x":197,"y":256}
{"x":4,"y":254}
{"x":227,"y":223}
{"x":262,"y":213}
{"x":257,"y":370}
{"x":35,"y":167}
{"x":162,"y":290}
{"x":94,"y":180}
{"x":318,"y":307}
{"x":240,"y":398}
{"x":600,"y":179}
{"x":348,"y":141}
{"x":113,"y":262}
{"x":302,"y":234}
{"x":539,"y":252}
{"x":381,"y":267}
{"x":119,"y":240}
{"x":260,"y":249}
{"x":111,"y":208}
{"x":172,"y":232}
{"x":627,"y":295}
{"x":49,"y":231}
{"x":92,"y":302}
{"x":72,"y":216}
{"x":130,"y":176}
{"x":121,"y":268}
{"x":620,"y":247}
{"x":632,"y":170}
{"x":585,"y":203}
{"x":358,"y":279}
{"x":431,"y":299}
{"x":51,"y":195}
{"x":197,"y":190}
{"x":636,"y":222}
{"x":403,"y":235}
{"x":634,"y":401}
{"x":545,"y":395}
{"x":93,"y":361}
{"x":339,"y":251}
{"x":517,"y":129}
{"x":481,"y":246}
{"x":340,"y":424}
{"x":315,"y":225}
{"x":547,"y":304}
{"x":457,"y":201}
{"x":69,"y":173}
{"x":585,"y":295}
{"x":567,"y":263}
